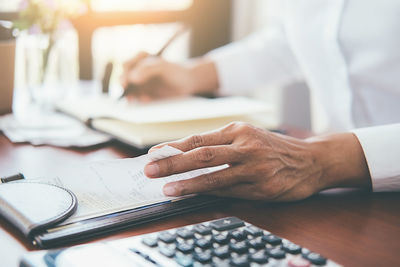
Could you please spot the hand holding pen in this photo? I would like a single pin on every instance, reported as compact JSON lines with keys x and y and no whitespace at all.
{"x":148,"y":77}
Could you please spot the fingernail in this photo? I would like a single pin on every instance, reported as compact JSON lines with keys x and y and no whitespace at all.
{"x":169,"y":190}
{"x":154,"y":148}
{"x":152,"y":170}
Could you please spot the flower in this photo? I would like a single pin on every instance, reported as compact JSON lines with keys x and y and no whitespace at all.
{"x":34,"y":29}
{"x":23,"y":5}
{"x":46,"y":16}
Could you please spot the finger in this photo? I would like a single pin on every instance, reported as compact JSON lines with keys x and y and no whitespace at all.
{"x":203,"y":183}
{"x":198,"y":158}
{"x":129,"y":65}
{"x":123,"y":79}
{"x":146,"y":70}
{"x":216,"y":137}
{"x":133,"y":61}
{"x":140,"y":98}
{"x":145,"y":98}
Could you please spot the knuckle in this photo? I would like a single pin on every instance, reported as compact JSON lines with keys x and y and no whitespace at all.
{"x":169,"y":165}
{"x":181,"y":188}
{"x":241,"y":127}
{"x":204,"y":154}
{"x":233,"y":125}
{"x":195,"y":141}
{"x":213,"y":182}
{"x":142,"y":54}
{"x":257,"y":144}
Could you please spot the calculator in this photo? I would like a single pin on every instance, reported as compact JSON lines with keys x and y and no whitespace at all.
{"x":224,"y":242}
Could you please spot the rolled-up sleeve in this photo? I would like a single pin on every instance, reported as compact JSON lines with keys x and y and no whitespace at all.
{"x":381,"y":146}
{"x":261,"y":59}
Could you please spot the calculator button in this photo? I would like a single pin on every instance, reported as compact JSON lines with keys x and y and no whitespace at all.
{"x":227,"y":224}
{"x":185,"y":233}
{"x":291,"y":248}
{"x":221,"y":238}
{"x":239,"y":247}
{"x":221,"y":252}
{"x":259,"y":257}
{"x":276,"y":253}
{"x":315,"y":258}
{"x":202,"y":229}
{"x":241,"y":261}
{"x":199,"y":264}
{"x":185,"y":247}
{"x":238,"y":235}
{"x":167,"y":237}
{"x":203,"y":243}
{"x":150,"y":241}
{"x":254,"y":231}
{"x":202,"y":257}
{"x":298,"y":261}
{"x":167,"y":251}
{"x":272,"y":239}
{"x":184,"y":260}
{"x":217,"y":262}
{"x":256,"y":243}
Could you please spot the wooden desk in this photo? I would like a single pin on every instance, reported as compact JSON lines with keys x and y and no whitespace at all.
{"x":351,"y":227}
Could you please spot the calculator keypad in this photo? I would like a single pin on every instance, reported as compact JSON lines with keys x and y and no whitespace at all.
{"x":229,"y":242}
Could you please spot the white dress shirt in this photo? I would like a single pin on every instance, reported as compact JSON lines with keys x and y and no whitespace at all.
{"x":348,"y":52}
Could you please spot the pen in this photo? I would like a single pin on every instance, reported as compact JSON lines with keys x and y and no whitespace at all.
{"x":16,"y":177}
{"x":131,"y":88}
{"x":106,"y":78}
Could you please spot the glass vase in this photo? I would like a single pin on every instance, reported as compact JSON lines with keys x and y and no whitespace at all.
{"x":46,"y":70}
{"x":42,"y":70}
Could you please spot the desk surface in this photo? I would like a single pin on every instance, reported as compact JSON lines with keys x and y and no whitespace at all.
{"x":351,"y":227}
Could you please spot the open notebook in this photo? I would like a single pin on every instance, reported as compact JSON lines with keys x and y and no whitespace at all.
{"x":109,"y":186}
{"x":143,"y":125}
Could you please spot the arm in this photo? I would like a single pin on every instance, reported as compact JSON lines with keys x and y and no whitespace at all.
{"x":263,"y":58}
{"x":155,"y":78}
{"x":264,"y":165}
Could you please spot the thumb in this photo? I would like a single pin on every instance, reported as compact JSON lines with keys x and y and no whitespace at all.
{"x":145,"y":72}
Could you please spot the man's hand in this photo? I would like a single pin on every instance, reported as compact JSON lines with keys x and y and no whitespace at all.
{"x":154,"y":78}
{"x":263,"y":165}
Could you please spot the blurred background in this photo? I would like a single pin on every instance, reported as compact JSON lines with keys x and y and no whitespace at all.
{"x":113,"y":31}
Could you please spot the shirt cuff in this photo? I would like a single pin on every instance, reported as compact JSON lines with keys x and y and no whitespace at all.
{"x":381,"y":146}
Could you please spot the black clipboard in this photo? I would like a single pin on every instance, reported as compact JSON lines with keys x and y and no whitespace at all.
{"x":90,"y":228}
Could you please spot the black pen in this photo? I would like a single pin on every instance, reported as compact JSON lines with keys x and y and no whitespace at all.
{"x":131,"y":87}
{"x":105,"y":83}
{"x":16,"y":177}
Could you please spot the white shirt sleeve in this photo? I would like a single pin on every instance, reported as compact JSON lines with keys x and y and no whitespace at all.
{"x":263,"y":58}
{"x":381,"y":145}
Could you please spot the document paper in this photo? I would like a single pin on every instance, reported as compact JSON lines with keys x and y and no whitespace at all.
{"x":104,"y":187}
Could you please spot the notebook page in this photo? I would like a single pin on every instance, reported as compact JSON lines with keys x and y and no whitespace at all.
{"x":109,"y":186}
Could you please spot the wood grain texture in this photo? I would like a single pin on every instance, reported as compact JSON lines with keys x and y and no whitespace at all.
{"x":352,"y":227}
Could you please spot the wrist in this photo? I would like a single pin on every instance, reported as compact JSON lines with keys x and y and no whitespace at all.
{"x":342,"y":160}
{"x":204,"y":77}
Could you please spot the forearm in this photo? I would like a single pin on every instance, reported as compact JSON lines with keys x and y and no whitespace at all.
{"x":342,"y":160}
